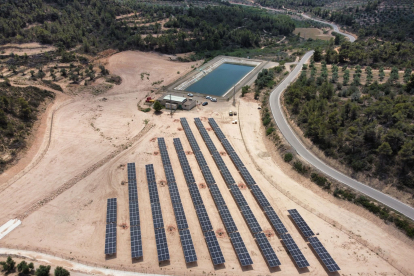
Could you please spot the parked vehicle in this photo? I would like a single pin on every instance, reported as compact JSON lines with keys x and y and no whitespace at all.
{"x":190,"y":95}
{"x":204,"y":104}
{"x":208,"y":97}
{"x":213,"y":99}
{"x":231,"y":113}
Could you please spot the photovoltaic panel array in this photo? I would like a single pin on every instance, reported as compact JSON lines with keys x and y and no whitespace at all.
{"x":201,"y":211}
{"x":110,"y":232}
{"x":214,"y":248}
{"x":323,"y":254}
{"x":301,"y":223}
{"x":134,"y":222}
{"x":294,"y":251}
{"x":225,"y":215}
{"x":240,"y":248}
{"x":234,"y":189}
{"x":267,"y":250}
{"x":180,"y":218}
{"x":275,"y":220}
{"x":160,"y":238}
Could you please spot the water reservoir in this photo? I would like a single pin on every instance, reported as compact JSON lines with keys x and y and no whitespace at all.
{"x":220,"y":80}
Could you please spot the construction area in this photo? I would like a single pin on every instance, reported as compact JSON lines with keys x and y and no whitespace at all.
{"x":111,"y":190}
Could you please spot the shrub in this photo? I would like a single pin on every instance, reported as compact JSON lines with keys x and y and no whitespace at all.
{"x":25,"y":268}
{"x":269,"y":130}
{"x":288,"y":157}
{"x":43,"y":270}
{"x":60,"y":271}
{"x":299,"y":167}
{"x":157,"y":106}
{"x":319,"y":180}
{"x":8,"y":265}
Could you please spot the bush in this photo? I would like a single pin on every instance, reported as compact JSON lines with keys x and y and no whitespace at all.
{"x":43,"y":270}
{"x":60,"y":271}
{"x":319,"y":180}
{"x":25,"y":268}
{"x":8,"y":265}
{"x":288,"y":157}
{"x":146,"y":109}
{"x":269,"y":130}
{"x":299,"y":167}
{"x":157,"y":106}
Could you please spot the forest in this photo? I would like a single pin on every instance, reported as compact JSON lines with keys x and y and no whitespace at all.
{"x":368,"y":128}
{"x":93,"y":24}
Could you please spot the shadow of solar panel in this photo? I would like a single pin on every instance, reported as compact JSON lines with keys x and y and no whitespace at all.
{"x":323,"y":254}
{"x":153,"y":193}
{"x":133,"y":213}
{"x":195,"y":194}
{"x":227,"y":219}
{"x":301,"y":223}
{"x":111,"y":210}
{"x":250,"y":219}
{"x":180,"y":216}
{"x":294,"y":251}
{"x":110,"y":239}
{"x":188,"y":246}
{"x":174,"y":193}
{"x":208,"y":176}
{"x":260,"y":197}
{"x":216,"y":194}
{"x":157,"y":215}
{"x":275,"y":220}
{"x":203,"y":218}
{"x":162,"y":246}
{"x":238,"y":196}
{"x":241,"y":250}
{"x":228,"y":178}
{"x":214,"y":248}
{"x":267,"y":250}
{"x":136,"y":242}
{"x":247,"y":176}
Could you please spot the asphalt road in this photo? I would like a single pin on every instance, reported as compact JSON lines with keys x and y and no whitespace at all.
{"x":293,"y":140}
{"x":336,"y":29}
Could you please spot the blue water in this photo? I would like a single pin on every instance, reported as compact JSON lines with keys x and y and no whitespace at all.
{"x":220,"y":80}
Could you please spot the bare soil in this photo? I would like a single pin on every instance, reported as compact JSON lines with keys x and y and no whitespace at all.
{"x":91,"y":141}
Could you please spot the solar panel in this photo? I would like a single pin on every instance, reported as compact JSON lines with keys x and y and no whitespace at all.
{"x":177,"y":144}
{"x":238,"y":196}
{"x":132,"y":193}
{"x":195,"y":194}
{"x":208,"y":176}
{"x":216,"y":194}
{"x":250,"y":219}
{"x":275,"y":220}
{"x":301,"y":223}
{"x":110,"y":239}
{"x":131,"y":171}
{"x":226,"y":144}
{"x":200,"y":159}
{"x":236,"y":160}
{"x":203,"y":218}
{"x":227,"y":219}
{"x":323,"y":254}
{"x":162,"y":246}
{"x":241,"y":250}
{"x":214,"y":248}
{"x":228,"y":178}
{"x":217,"y":158}
{"x":157,"y":215}
{"x":149,"y":169}
{"x":169,"y":173}
{"x":180,"y":216}
{"x":174,"y":194}
{"x":247,"y":176}
{"x":260,"y":197}
{"x":267,"y":250}
{"x":133,"y":213}
{"x":294,"y":251}
{"x":111,"y":210}
{"x":153,"y":193}
{"x":136,"y":243}
{"x":188,"y":246}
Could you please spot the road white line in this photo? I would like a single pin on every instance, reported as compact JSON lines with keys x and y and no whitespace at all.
{"x":8,"y":227}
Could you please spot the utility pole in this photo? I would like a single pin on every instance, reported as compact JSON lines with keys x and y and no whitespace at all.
{"x":234,"y":96}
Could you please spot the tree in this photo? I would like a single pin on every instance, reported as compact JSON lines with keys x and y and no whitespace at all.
{"x":41,"y":74}
{"x":410,"y":85}
{"x":381,"y":73}
{"x":60,"y":271}
{"x":385,"y":149}
{"x":245,"y":89}
{"x":407,"y":74}
{"x":63,"y":72}
{"x":43,"y":270}
{"x":25,"y":268}
{"x":394,"y":74}
{"x":157,"y":106}
{"x":317,"y":56}
{"x":8,"y":265}
{"x":32,"y":73}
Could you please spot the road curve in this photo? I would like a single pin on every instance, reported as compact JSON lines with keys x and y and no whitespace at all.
{"x":335,"y":27}
{"x":277,"y":111}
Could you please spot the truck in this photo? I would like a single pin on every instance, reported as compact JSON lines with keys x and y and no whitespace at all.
{"x":149,"y":100}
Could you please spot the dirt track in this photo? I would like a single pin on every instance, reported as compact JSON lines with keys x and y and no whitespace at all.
{"x":72,"y":225}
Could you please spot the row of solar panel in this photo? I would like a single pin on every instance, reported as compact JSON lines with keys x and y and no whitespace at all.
{"x":182,"y":225}
{"x":157,"y":219}
{"x":229,"y":224}
{"x":273,"y":218}
{"x":204,"y":220}
{"x":110,"y":233}
{"x":248,"y":215}
{"x":135,"y":228}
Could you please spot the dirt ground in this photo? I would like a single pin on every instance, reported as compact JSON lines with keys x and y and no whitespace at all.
{"x":28,"y":48}
{"x":69,"y":222}
{"x":313,"y":33}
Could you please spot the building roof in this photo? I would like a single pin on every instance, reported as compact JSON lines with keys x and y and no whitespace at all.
{"x":174,"y":98}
